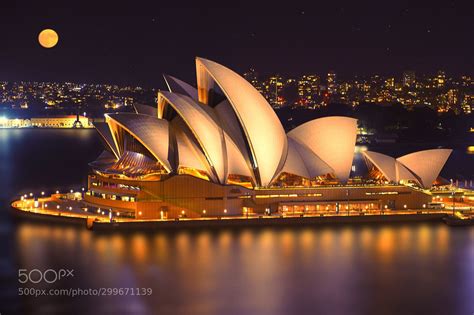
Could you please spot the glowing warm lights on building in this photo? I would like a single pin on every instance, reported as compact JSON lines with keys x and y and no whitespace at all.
{"x":221,"y":147}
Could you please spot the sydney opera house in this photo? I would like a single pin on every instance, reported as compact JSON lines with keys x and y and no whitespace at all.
{"x":220,"y":150}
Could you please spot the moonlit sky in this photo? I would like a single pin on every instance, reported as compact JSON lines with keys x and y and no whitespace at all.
{"x":135,"y":45}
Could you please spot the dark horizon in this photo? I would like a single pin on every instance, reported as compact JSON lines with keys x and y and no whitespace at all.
{"x":290,"y":39}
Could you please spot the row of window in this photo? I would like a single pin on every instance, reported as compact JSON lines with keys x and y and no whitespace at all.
{"x":116,"y":186}
{"x":112,"y":196}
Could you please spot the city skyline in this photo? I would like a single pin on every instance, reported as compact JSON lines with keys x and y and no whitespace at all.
{"x":441,"y":92}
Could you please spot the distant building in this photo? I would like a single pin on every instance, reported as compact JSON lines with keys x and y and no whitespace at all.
{"x":14,"y":123}
{"x":60,"y":122}
{"x":441,"y":79}
{"x":273,"y":90}
{"x":467,"y":104}
{"x":409,"y":79}
{"x":390,"y":83}
{"x":45,"y":122}
{"x":332,"y":85}
{"x":308,"y":90}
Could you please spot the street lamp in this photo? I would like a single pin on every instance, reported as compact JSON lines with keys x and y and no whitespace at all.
{"x":348,"y":207}
{"x":452,"y":194}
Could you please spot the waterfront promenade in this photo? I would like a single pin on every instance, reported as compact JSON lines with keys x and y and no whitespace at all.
{"x":71,"y":208}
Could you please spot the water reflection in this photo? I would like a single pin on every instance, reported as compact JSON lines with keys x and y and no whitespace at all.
{"x":271,"y":270}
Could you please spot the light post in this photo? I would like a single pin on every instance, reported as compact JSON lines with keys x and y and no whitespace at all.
{"x":348,"y":206}
{"x":454,"y":204}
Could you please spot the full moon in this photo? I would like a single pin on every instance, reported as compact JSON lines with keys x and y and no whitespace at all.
{"x":48,"y":38}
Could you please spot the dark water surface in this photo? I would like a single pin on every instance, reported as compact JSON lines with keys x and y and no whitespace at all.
{"x":363,"y":269}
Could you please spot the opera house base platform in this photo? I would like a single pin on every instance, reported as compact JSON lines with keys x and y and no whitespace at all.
{"x":100,"y":221}
{"x":186,"y":196}
{"x":76,"y":208}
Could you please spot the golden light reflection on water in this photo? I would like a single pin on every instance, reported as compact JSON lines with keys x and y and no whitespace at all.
{"x":260,"y":252}
{"x":204,"y":251}
{"x":70,"y":235}
{"x":347,"y":238}
{"x":366,"y":238}
{"x":225,"y":240}
{"x":307,"y":244}
{"x":85,"y":239}
{"x":100,"y":244}
{"x":404,"y":237}
{"x":246,"y":239}
{"x":424,"y":239}
{"x":326,"y":241}
{"x":161,"y":247}
{"x":385,"y":243}
{"x":442,"y":240}
{"x":307,"y":239}
{"x":182,"y":246}
{"x":118,"y":246}
{"x":140,"y":248}
{"x":286,"y":242}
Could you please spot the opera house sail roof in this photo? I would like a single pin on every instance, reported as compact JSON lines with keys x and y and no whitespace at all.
{"x":422,"y":167}
{"x":225,"y":131}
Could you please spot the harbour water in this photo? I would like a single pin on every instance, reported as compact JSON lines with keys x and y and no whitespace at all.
{"x":350,"y":269}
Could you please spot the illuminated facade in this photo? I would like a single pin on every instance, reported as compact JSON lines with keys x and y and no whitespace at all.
{"x":66,"y":121}
{"x":59,"y":121}
{"x":220,"y":150}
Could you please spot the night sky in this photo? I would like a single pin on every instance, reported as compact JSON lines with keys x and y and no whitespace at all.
{"x":135,"y":45}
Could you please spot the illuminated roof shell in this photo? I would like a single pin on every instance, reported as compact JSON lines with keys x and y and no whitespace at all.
{"x":263,"y":131}
{"x":426,"y":164}
{"x":104,"y":131}
{"x":303,"y":162}
{"x":207,"y":132}
{"x":422,"y":167}
{"x":146,"y":110}
{"x":151,"y":132}
{"x":332,"y":139}
{"x":176,"y":85}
